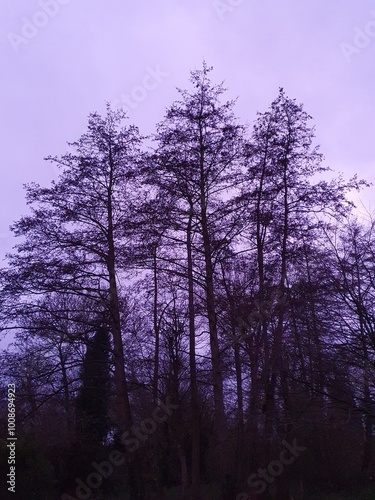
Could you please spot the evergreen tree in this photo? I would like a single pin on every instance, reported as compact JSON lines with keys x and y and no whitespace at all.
{"x":93,"y":398}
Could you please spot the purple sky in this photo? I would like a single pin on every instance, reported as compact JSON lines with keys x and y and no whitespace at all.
{"x":62,"y":59}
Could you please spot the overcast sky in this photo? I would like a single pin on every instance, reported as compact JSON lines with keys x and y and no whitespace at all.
{"x":62,"y":59}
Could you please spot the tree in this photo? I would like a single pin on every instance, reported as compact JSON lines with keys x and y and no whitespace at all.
{"x":197,"y":160}
{"x":352,"y":275}
{"x":286,"y":208}
{"x":93,"y":398}
{"x":226,"y":271}
{"x":76,"y":238}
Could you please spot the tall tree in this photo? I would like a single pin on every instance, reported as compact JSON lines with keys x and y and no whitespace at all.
{"x":287,"y":206}
{"x":76,"y":238}
{"x":198,"y":157}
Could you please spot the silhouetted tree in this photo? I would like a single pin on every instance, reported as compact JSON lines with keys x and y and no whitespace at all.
{"x":93,"y":399}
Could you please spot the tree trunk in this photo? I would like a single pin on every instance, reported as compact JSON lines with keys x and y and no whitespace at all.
{"x":124,"y":419}
{"x":217,"y":377}
{"x":123,"y":411}
{"x":195,"y":453}
{"x":156,"y":330}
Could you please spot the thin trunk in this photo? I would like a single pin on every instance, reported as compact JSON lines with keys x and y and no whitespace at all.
{"x":124,"y":417}
{"x":368,"y":405}
{"x":65,"y":383}
{"x":184,"y":471}
{"x":240,"y":456}
{"x":195,"y":454}
{"x":253,"y":347}
{"x":280,"y":364}
{"x":122,"y":395}
{"x":156,"y":330}
{"x":261,"y":229}
{"x":277,"y":364}
{"x":217,"y":377}
{"x":321,"y":381}
{"x":369,"y":420}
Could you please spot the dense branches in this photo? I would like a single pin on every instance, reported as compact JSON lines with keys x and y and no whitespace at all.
{"x":222,"y":272}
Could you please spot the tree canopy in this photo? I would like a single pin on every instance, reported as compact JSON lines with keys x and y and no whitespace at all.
{"x":197,"y":306}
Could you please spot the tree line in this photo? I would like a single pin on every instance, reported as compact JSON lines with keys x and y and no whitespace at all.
{"x":220,"y":273}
